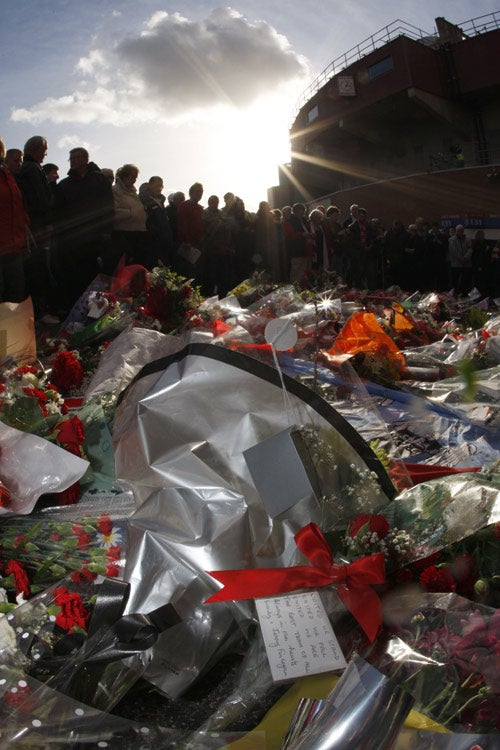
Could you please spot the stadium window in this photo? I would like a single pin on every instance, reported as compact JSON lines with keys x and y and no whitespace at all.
{"x":312,"y":114}
{"x":381,"y":67}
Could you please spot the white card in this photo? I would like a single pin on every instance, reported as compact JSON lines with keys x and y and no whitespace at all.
{"x":298,"y":637}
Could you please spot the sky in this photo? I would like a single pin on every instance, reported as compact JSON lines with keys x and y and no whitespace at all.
{"x":191,"y":91}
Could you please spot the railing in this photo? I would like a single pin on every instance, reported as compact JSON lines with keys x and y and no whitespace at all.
{"x":481,"y":24}
{"x":397,"y":28}
{"x":474,"y":155}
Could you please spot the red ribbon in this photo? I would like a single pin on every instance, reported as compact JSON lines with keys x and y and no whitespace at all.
{"x":354,"y":581}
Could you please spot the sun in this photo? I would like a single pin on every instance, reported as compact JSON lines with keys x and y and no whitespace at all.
{"x":251,"y":143}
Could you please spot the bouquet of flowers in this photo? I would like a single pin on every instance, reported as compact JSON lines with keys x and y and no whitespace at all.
{"x":31,"y":403}
{"x":171,"y":300}
{"x":444,"y":651}
{"x":38,"y":551}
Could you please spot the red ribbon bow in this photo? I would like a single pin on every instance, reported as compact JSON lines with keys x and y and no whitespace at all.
{"x":354,"y":581}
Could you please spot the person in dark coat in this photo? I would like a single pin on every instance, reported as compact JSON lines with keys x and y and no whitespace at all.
{"x":39,"y":204}
{"x":84,"y":214}
{"x":157,"y":222}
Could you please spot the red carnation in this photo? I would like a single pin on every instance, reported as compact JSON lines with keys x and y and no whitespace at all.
{"x":23,"y":369}
{"x":73,"y":613}
{"x":376,"y":525}
{"x":83,"y":541}
{"x":4,"y":496}
{"x":70,"y":496}
{"x":84,"y":574}
{"x":437,"y":580}
{"x":21,"y":582}
{"x":464,"y":571}
{"x":67,"y":371}
{"x":104,"y":524}
{"x":112,"y":570}
{"x":114,"y":552}
{"x":403,"y":575}
{"x":17,"y":698}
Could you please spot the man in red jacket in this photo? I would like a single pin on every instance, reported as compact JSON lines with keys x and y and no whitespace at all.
{"x":13,"y":222}
{"x":190,"y":229}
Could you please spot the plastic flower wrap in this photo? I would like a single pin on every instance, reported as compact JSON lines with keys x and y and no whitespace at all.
{"x":443,"y":649}
{"x":39,"y":550}
{"x":75,"y":637}
{"x":31,"y":466}
{"x":375,"y":354}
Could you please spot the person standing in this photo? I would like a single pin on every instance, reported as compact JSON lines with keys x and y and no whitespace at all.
{"x":157,"y":223}
{"x":460,"y":258}
{"x":84,"y":217}
{"x":13,"y":221}
{"x":39,"y":204}
{"x":14,"y":160}
{"x":217,"y":251}
{"x":298,"y":243}
{"x":190,"y":228}
{"x":130,"y":234}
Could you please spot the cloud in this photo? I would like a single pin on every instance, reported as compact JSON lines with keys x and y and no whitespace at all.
{"x":223,"y":58}
{"x":173,"y":68}
{"x":67,"y":142}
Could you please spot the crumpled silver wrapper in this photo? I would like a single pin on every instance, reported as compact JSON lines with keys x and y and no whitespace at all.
{"x":180,"y":433}
{"x":415,"y":739}
{"x":365,"y":710}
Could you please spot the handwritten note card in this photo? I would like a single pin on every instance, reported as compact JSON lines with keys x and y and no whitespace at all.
{"x":298,"y":636}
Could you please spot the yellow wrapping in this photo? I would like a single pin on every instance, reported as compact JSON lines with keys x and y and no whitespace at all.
{"x":277,"y":720}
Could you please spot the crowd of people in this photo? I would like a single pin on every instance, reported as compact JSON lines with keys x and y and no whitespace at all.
{"x":56,"y":235}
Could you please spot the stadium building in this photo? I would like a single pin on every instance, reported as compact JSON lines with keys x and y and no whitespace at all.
{"x":406,"y":124}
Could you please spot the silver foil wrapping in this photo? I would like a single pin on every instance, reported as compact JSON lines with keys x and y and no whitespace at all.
{"x":180,"y":433}
{"x":364,"y":711}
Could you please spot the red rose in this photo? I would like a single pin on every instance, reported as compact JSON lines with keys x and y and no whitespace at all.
{"x":376,"y":525}
{"x":73,"y":613}
{"x":104,"y":524}
{"x":70,"y":432}
{"x":437,"y":580}
{"x":112,"y":570}
{"x":21,"y":581}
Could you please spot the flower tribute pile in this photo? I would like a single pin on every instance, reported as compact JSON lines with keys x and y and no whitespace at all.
{"x":417,"y":378}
